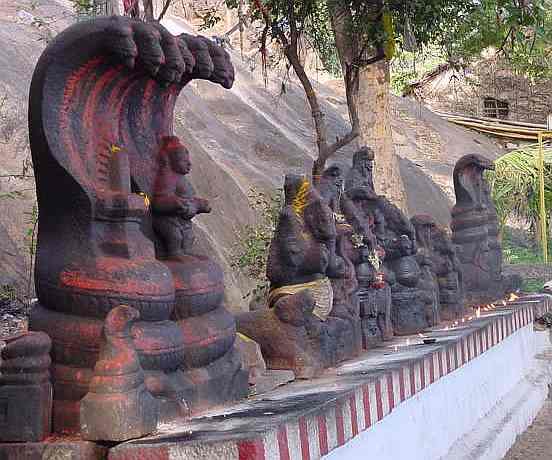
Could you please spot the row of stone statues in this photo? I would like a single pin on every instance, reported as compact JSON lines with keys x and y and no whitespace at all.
{"x":137,"y":331}
{"x":348,"y":269}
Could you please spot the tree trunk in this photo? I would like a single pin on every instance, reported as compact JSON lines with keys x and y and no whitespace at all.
{"x":368,"y":100}
{"x":148,"y":10}
{"x":374,"y":113}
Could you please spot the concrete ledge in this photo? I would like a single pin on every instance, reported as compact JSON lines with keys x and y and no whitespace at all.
{"x":364,"y":397}
{"x":62,"y":448}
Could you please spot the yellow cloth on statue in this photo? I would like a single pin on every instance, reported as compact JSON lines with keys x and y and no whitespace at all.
{"x":321,"y":291}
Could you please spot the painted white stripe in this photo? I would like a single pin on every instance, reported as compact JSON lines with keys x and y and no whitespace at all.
{"x":418,"y":376}
{"x":332,"y":428}
{"x":396,"y":387}
{"x":347,"y":420}
{"x":373,"y":404}
{"x":361,"y":419}
{"x":294,"y":440}
{"x":426,"y":363}
{"x":226,"y":450}
{"x":271,"y":448}
{"x":312,"y":434}
{"x":407,"y":384}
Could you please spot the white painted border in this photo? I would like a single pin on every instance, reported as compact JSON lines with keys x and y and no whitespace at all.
{"x":473,"y":413}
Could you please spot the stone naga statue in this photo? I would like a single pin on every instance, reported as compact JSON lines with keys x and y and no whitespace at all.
{"x":25,"y":388}
{"x":298,"y":330}
{"x":471,"y":219}
{"x":100,"y":122}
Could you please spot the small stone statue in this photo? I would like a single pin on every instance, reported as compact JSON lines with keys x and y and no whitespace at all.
{"x":174,"y":203}
{"x":449,"y":275}
{"x":25,"y":388}
{"x":118,"y":406}
{"x":375,"y":300}
{"x":424,"y":224}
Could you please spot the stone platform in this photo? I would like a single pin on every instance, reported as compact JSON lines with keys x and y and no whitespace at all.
{"x":309,"y":419}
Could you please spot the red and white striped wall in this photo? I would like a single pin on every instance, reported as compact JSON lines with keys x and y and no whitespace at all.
{"x":334,"y":423}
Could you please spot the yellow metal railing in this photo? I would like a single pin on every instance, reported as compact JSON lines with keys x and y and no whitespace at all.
{"x":543,"y":215}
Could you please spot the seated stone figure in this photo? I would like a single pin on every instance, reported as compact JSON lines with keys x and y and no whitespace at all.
{"x":423,"y":224}
{"x":100,"y":111}
{"x":360,"y":207}
{"x":297,"y":331}
{"x":449,"y":274}
{"x":173,"y":203}
{"x":343,"y":276}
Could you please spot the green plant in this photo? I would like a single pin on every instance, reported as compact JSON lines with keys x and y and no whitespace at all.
{"x":531,"y":285}
{"x":251,"y":250}
{"x":515,"y":185}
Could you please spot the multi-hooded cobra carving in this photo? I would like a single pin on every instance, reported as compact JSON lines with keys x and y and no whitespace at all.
{"x":100,"y":120}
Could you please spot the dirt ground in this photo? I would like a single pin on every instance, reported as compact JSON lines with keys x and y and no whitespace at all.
{"x":536,"y":442}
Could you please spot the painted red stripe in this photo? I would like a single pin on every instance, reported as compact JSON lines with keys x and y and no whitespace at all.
{"x":251,"y":450}
{"x":390,"y":392}
{"x":447,"y":356}
{"x":502,"y":331}
{"x":470,"y":347}
{"x":412,"y":381}
{"x":487,"y":340}
{"x":379,"y":402}
{"x":480,"y":334}
{"x":322,"y":434}
{"x":431,"y":369}
{"x":283,"y":443}
{"x":440,"y":362}
{"x":462,"y":352}
{"x":401,"y":384}
{"x":304,"y":438}
{"x":366,"y":404}
{"x":339,"y":424}
{"x":354,"y":420}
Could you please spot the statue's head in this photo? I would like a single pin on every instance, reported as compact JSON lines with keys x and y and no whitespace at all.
{"x":297,"y":192}
{"x":177,"y":155}
{"x":424,"y":225}
{"x":363,"y":160}
{"x":333,"y":175}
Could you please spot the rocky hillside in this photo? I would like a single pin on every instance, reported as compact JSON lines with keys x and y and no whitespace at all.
{"x":244,"y":138}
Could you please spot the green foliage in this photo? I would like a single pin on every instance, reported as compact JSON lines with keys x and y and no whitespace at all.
{"x":515,"y":185}
{"x":251,"y":251}
{"x":210,"y":18}
{"x":522,"y":31}
{"x":532,"y":285}
{"x":515,"y":253}
{"x":84,"y":6}
{"x":408,"y":67}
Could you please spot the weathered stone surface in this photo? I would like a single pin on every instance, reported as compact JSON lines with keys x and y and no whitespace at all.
{"x":54,"y":449}
{"x":25,"y":388}
{"x":118,"y":406}
{"x":475,"y":232}
{"x":100,"y":121}
{"x":302,"y":329}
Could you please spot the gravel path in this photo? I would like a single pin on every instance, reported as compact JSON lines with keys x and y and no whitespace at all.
{"x":536,"y":442}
